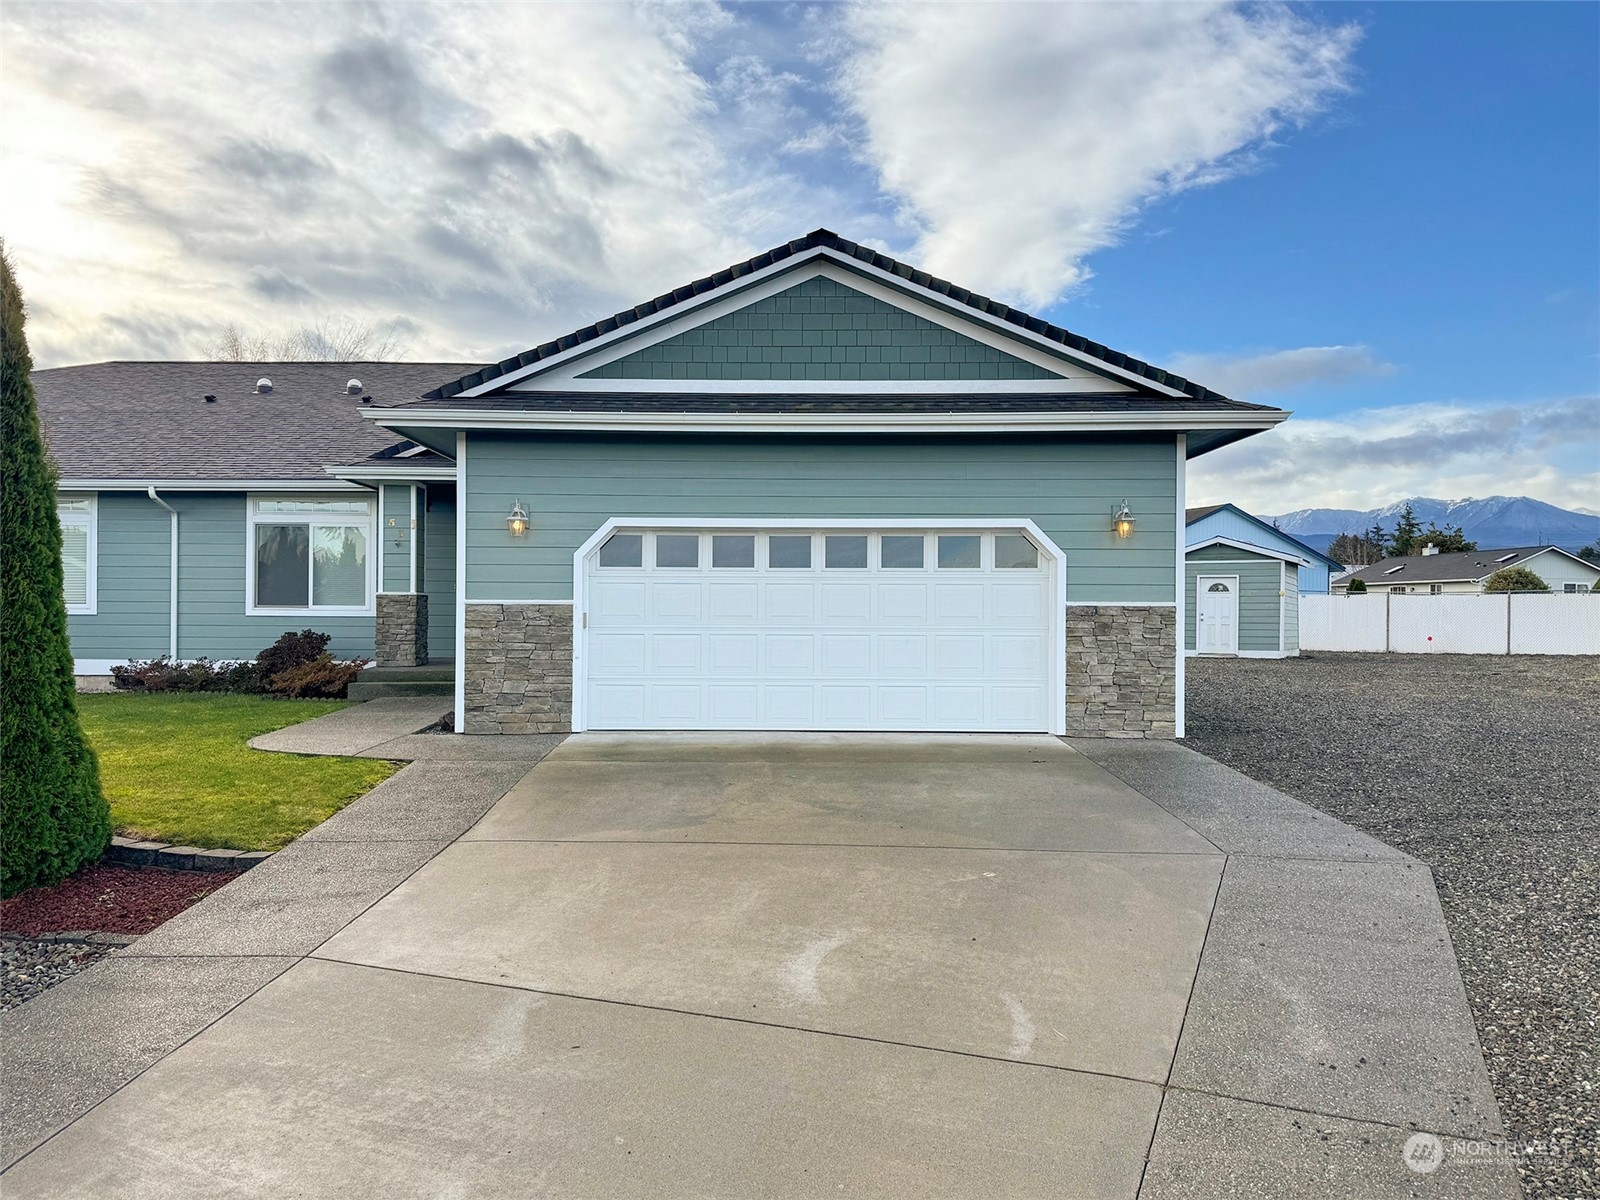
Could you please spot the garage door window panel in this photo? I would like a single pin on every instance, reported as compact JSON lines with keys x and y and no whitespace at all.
{"x":845,"y":552}
{"x":678,"y":550}
{"x":902,"y":552}
{"x":789,"y":552}
{"x":960,"y":552}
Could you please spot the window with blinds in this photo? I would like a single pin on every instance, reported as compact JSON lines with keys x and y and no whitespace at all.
{"x":77,"y":515}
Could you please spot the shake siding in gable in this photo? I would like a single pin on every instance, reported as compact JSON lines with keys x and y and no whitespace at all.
{"x":134,"y":548}
{"x":1260,"y":582}
{"x":819,"y":329}
{"x":572,"y":485}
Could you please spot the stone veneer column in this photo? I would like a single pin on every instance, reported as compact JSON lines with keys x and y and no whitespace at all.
{"x":1122,"y":671}
{"x":401,"y":630}
{"x":517,"y":666}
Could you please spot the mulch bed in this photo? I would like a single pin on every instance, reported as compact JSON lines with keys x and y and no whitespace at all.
{"x":107,"y":899}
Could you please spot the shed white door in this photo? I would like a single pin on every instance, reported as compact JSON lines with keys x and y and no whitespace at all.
{"x":1217,"y":614}
{"x":800,"y":629}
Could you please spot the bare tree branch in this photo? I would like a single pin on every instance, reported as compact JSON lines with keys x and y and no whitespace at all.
{"x":328,"y":340}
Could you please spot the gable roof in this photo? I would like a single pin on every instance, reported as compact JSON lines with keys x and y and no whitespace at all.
{"x":826,"y":239}
{"x":1466,"y":566}
{"x":1192,"y":516}
{"x":144,"y":422}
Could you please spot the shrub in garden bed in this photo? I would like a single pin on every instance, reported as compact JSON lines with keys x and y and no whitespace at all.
{"x":296,"y":665}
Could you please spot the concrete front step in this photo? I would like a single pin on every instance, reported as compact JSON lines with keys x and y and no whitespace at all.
{"x":385,"y":689}
{"x":432,"y":673}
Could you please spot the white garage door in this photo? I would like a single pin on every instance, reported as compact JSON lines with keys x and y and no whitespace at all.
{"x":891,"y":629}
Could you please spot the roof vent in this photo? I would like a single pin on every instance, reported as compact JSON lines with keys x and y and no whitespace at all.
{"x":1506,"y":557}
{"x":1429,"y":550}
{"x":210,"y":399}
{"x":366,"y":399}
{"x":1392,"y":570}
{"x":263,"y":385}
{"x":353,"y":387}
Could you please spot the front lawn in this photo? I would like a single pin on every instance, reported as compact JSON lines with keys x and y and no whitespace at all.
{"x":176,"y":768}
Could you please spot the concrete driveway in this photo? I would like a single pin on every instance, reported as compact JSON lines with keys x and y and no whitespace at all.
{"x":882,"y":966}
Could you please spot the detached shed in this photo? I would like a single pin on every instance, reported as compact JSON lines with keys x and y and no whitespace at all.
{"x":1242,"y":600}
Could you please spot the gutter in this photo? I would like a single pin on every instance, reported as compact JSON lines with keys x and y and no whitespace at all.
{"x":172,"y":651}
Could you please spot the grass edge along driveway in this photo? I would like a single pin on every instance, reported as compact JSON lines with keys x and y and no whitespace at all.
{"x":176,"y":768}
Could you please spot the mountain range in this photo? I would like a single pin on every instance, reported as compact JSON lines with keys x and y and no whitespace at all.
{"x":1492,"y":521}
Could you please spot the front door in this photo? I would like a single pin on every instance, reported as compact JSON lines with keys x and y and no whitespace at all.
{"x":1217,"y":614}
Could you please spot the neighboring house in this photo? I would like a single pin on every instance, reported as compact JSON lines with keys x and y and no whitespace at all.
{"x":1244,"y":582}
{"x":817,"y":490}
{"x":200,"y":518}
{"x":1466,"y":572}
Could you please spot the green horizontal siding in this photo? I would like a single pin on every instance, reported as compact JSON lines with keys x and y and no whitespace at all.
{"x":1260,"y":581}
{"x":439,"y":569}
{"x":211,"y":593}
{"x":134,"y":548}
{"x":572,"y":485}
{"x":396,"y":538}
{"x":819,"y":329}
{"x":134,"y":585}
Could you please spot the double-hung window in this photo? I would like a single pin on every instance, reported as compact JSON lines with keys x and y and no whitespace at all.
{"x":78,"y":544}
{"x":310,"y":554}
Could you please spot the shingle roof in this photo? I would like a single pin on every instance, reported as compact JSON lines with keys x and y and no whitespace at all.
{"x":811,"y":241}
{"x":767,"y":402}
{"x":1191,"y":515}
{"x":1461,"y":567}
{"x":150,"y":420}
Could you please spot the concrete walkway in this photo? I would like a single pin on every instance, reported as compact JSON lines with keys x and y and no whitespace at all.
{"x":746,"y":965}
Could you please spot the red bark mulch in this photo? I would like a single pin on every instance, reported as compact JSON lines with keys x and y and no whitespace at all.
{"x":107,"y":899}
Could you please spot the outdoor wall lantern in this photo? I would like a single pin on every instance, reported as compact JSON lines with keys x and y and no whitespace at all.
{"x":1122,"y":521}
{"x":517,"y":520}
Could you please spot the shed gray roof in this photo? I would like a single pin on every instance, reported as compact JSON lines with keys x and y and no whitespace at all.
{"x":150,"y":420}
{"x":865,"y":254}
{"x":1466,"y":566}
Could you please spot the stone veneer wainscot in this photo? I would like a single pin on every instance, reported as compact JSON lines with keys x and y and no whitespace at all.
{"x":518,"y":668}
{"x":400,"y":632}
{"x":1122,"y":671}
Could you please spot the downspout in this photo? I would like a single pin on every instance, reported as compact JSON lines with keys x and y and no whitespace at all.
{"x":172,"y":651}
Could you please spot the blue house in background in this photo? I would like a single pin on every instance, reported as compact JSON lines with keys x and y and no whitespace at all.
{"x":1232,"y":522}
{"x":1243,"y":582}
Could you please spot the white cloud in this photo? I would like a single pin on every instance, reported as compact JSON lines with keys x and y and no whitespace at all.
{"x":492,"y":173}
{"x":1278,"y":370}
{"x":1023,"y":137}
{"x":1548,"y":449}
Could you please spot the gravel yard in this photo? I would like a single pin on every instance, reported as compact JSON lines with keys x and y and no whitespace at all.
{"x":1487,"y":769}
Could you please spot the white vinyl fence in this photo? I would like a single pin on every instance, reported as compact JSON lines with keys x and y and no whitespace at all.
{"x":1385,"y":622}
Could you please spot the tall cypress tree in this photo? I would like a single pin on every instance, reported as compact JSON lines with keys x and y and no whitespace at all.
{"x":53,"y":817}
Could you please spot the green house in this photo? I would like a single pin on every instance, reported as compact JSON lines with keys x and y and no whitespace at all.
{"x":818,"y":490}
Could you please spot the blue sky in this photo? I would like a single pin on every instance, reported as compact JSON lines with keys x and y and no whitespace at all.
{"x":1384,"y":216}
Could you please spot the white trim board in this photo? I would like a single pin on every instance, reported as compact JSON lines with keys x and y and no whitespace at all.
{"x":744,"y":291}
{"x":955,"y":422}
{"x":318,"y":484}
{"x":1248,"y":548}
{"x":1180,"y":591}
{"x":1058,"y":582}
{"x":89,"y":522}
{"x":461,"y":583}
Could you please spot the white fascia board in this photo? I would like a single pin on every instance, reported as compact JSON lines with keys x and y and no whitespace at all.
{"x":397,"y":474}
{"x":769,"y":423}
{"x":742,"y":291}
{"x":207,"y":485}
{"x":1283,"y":555}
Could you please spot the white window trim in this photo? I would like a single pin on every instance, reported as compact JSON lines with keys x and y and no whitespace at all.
{"x":90,"y":521}
{"x":374,"y":552}
{"x":1053,"y":561}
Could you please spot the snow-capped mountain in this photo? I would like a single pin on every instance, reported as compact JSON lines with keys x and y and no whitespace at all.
{"x":1491,"y":521}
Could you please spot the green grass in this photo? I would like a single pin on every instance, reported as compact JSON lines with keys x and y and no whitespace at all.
{"x":176,"y":768}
